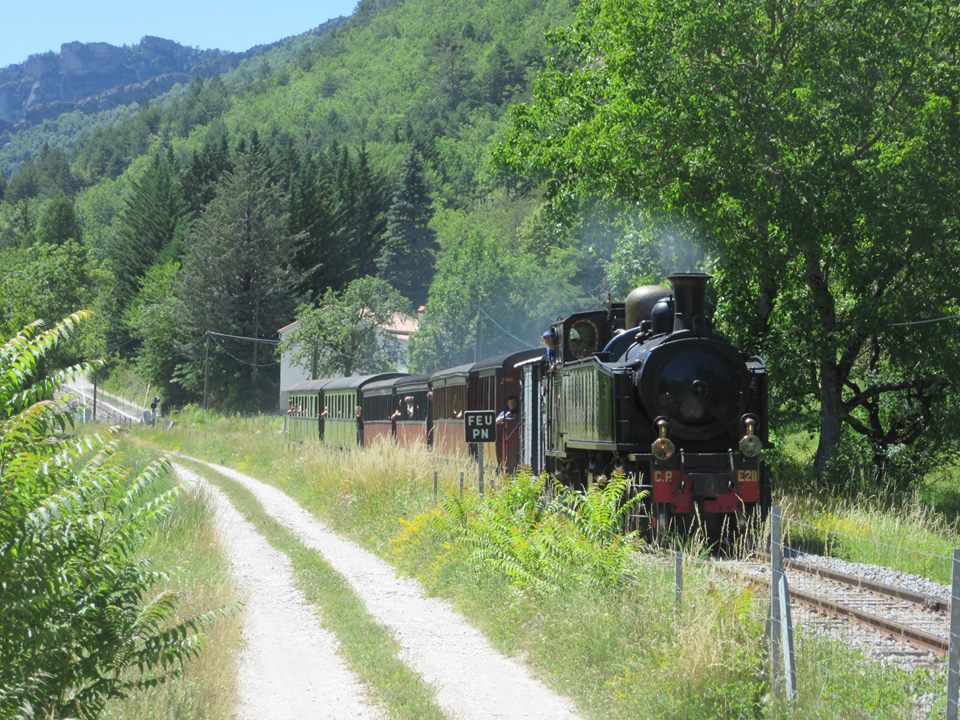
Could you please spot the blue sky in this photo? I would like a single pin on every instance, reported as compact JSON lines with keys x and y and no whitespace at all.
{"x":35,"y":26}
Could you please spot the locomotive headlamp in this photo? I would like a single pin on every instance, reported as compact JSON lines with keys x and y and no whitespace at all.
{"x":750,"y":444}
{"x":663,"y":447}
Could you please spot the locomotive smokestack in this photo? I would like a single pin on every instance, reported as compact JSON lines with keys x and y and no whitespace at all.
{"x":690,"y":296}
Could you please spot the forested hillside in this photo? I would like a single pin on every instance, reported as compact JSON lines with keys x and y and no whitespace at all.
{"x":364,"y":154}
{"x":505,"y":161}
{"x":60,"y":99}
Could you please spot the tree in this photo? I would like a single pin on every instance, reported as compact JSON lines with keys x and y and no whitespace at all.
{"x":406,"y":260}
{"x":58,"y":221}
{"x":808,"y":145}
{"x":148,"y":232}
{"x":198,"y":181}
{"x":152,"y":319}
{"x":489,"y":296}
{"x":318,"y":217}
{"x":45,"y":281}
{"x":235,"y":279}
{"x":342,"y":333}
{"x":83,"y":617}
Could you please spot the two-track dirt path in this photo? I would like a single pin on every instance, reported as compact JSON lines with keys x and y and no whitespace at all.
{"x":472,"y":679}
{"x":289,"y":667}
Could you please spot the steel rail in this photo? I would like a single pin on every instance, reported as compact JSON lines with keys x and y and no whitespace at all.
{"x":913,"y":636}
{"x":919,"y":639}
{"x":928,"y":602}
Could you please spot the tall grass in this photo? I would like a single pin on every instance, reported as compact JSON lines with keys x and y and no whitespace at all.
{"x":613,"y":641}
{"x":186,"y":545}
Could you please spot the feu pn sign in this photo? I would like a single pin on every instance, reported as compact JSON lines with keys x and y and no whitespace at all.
{"x":480,"y":426}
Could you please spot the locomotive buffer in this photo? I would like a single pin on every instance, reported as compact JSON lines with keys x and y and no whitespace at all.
{"x":480,"y":426}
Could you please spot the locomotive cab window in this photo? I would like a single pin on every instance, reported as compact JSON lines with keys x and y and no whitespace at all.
{"x":582,"y":339}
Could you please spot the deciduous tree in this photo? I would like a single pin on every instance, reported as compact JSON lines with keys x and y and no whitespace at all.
{"x":812,"y":145}
{"x":342,"y":333}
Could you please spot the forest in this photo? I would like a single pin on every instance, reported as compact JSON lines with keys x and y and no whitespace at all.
{"x":502,"y":163}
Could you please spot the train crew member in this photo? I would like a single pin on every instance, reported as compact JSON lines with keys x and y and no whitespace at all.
{"x":359,"y":412}
{"x":550,"y":342}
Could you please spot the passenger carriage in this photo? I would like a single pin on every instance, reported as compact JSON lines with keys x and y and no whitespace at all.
{"x":415,"y":424}
{"x":379,"y":404}
{"x":492,"y":382}
{"x":304,"y":409}
{"x":449,"y":403}
{"x":341,"y":397}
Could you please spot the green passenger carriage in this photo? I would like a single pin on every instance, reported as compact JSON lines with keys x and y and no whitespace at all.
{"x":341,"y":398}
{"x":304,"y":421}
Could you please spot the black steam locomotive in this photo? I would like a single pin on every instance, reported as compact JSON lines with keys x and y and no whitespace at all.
{"x":647,"y":387}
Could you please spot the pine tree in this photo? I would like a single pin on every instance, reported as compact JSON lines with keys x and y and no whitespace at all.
{"x":407,"y":257}
{"x":236,"y":280}
{"x":149,"y":227}
{"x":199,"y":179}
{"x":147,"y":232}
{"x":320,"y":258}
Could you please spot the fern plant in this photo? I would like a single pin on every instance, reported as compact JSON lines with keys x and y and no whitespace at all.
{"x":81,"y":620}
{"x":547,"y":545}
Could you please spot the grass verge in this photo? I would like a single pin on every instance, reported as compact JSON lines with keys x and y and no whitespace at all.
{"x":368,"y":647}
{"x":618,"y":651}
{"x":186,"y":546}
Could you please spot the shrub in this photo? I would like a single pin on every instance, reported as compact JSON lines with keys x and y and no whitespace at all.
{"x":541,"y":545}
{"x":80,"y":619}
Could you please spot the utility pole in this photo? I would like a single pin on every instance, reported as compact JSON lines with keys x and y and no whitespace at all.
{"x":206,"y":365}
{"x":94,"y":395}
{"x":476,"y":340}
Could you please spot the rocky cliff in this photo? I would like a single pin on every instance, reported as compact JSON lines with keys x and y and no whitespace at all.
{"x":91,"y":77}
{"x":97,"y":76}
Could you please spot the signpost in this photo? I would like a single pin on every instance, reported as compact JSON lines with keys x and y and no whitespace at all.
{"x":480,"y":426}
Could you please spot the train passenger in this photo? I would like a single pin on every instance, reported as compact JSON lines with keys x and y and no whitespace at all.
{"x":359,"y":413}
{"x":510,"y":412}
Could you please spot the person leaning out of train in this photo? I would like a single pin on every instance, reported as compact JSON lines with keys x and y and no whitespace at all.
{"x":550,"y":342}
{"x":511,"y":412}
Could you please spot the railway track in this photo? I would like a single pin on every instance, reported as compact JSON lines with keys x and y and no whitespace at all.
{"x":889,"y":621}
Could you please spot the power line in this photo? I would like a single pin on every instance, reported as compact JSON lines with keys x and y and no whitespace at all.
{"x":926,"y":322}
{"x":501,"y":328}
{"x":239,"y":360}
{"x":241,"y":337}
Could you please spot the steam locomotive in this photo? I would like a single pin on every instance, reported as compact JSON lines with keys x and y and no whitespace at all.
{"x":644,"y":386}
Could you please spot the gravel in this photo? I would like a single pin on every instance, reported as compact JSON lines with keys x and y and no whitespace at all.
{"x":289,"y":666}
{"x":473,"y":680}
{"x":876,"y":573}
